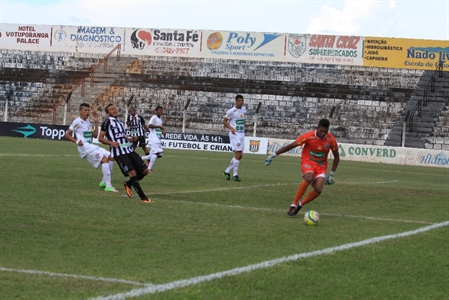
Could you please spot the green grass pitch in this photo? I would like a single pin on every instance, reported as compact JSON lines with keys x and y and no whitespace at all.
{"x":62,"y":237}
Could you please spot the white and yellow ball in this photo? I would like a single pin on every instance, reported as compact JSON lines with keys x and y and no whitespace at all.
{"x":311,"y":218}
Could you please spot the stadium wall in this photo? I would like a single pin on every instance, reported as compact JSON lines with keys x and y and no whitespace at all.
{"x":254,"y":145}
{"x":298,"y":78}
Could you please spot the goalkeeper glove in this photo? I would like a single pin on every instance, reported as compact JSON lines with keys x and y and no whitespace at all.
{"x":330,"y":179}
{"x":270,"y":159}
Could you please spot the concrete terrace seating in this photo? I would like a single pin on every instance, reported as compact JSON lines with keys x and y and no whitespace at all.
{"x":38,"y":79}
{"x":368,"y":101}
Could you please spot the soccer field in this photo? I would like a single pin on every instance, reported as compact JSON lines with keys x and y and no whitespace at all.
{"x":383,"y":232}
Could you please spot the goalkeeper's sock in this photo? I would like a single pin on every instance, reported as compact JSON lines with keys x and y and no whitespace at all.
{"x":300,"y":192}
{"x":310,"y":197}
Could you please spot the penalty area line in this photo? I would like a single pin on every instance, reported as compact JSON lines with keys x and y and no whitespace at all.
{"x":278,"y":210}
{"x":266,"y":264}
{"x":258,"y":186}
{"x":112,"y":280}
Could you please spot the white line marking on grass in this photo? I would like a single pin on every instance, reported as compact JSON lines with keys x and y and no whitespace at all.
{"x":266,"y":264}
{"x":223,"y":189}
{"x":370,"y":182}
{"x":113,"y":280}
{"x":258,"y":186}
{"x":278,"y":210}
{"x":36,"y":155}
{"x":377,"y":219}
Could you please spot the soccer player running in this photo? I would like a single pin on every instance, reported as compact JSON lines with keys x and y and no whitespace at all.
{"x":157,"y":131}
{"x":317,"y":144}
{"x":113,"y":133}
{"x":235,"y":121}
{"x":94,"y":154}
{"x":136,"y":124}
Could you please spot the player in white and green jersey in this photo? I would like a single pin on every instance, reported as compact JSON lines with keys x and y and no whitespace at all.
{"x":81,"y":133}
{"x":156,"y":134}
{"x":235,"y":121}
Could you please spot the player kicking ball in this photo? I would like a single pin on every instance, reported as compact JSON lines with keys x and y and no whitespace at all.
{"x":316,"y":146}
{"x":95,"y":155}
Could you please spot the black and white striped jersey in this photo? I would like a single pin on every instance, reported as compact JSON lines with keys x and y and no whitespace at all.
{"x":136,"y":125}
{"x":115,"y":131}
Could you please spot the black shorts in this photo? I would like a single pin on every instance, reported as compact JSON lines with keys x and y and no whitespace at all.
{"x":141,"y":142}
{"x":131,"y":161}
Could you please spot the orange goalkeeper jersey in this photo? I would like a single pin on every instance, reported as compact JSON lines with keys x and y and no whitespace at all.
{"x":316,"y":149}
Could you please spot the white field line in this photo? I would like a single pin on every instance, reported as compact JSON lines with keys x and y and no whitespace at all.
{"x":278,"y":210}
{"x":112,"y":280}
{"x":36,"y":155}
{"x":258,"y":186}
{"x":266,"y":264}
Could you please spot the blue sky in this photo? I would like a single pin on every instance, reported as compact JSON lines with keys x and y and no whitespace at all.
{"x":384,"y":18}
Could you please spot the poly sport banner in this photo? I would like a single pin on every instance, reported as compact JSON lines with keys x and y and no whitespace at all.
{"x":243,"y":45}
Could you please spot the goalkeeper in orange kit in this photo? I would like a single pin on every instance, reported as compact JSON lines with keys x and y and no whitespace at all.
{"x":316,"y":146}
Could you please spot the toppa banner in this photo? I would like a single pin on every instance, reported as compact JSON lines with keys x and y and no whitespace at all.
{"x":38,"y":131}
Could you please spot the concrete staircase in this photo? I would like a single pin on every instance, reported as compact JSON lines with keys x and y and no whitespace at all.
{"x":423,"y":126}
{"x":97,"y":94}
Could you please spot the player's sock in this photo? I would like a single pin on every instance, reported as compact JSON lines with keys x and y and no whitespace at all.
{"x":146,"y":157}
{"x":111,"y":166}
{"x":236,"y":167}
{"x":106,"y":173}
{"x":310,"y":197}
{"x":231,"y":165}
{"x":300,"y":192}
{"x":152,"y":161}
{"x":135,"y":184}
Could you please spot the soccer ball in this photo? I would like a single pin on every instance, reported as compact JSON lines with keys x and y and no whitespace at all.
{"x":311,"y":218}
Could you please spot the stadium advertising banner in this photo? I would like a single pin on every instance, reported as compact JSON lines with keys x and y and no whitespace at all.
{"x":377,"y":154}
{"x":37,"y":131}
{"x":14,"y":36}
{"x":166,"y":42}
{"x":86,"y":39}
{"x":208,"y":142}
{"x":324,"y":49}
{"x":405,"y":53}
{"x":243,"y":45}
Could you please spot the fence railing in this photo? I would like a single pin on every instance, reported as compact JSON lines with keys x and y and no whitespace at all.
{"x":82,"y":82}
{"x":417,"y":109}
